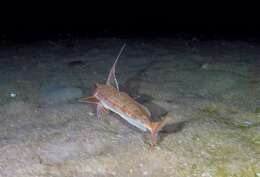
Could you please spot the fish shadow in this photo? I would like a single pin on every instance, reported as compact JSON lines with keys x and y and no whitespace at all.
{"x":171,"y":129}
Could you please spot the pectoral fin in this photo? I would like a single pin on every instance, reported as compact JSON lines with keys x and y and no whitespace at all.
{"x":90,"y":99}
{"x":101,"y":110}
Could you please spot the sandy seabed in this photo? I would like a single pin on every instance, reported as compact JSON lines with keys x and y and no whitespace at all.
{"x":211,"y":89}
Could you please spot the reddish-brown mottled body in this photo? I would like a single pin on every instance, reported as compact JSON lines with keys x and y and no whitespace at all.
{"x":122,"y":101}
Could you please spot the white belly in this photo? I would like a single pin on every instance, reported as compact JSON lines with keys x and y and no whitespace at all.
{"x":132,"y":121}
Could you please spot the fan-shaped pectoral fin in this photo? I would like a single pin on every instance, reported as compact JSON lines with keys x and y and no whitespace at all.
{"x":101,"y":110}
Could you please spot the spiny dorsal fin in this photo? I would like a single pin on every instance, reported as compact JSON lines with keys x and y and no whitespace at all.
{"x":111,"y":80}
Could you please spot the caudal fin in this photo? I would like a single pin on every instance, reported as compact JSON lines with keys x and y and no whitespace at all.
{"x":111,"y":80}
{"x":156,"y":127}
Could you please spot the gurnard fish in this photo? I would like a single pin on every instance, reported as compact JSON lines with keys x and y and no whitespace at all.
{"x":109,"y":98}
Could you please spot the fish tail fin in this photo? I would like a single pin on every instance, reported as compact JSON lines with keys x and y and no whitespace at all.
{"x":156,"y":127}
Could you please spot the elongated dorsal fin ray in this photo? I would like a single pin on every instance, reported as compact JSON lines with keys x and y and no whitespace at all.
{"x":111,"y":80}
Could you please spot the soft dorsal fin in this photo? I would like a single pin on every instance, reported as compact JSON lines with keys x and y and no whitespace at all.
{"x":111,"y":80}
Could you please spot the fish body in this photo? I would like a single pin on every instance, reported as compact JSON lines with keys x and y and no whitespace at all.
{"x":125,"y":106}
{"x":109,"y":98}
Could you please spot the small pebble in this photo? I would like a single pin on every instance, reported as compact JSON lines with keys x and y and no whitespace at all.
{"x":145,"y":173}
{"x":205,"y":66}
{"x":248,"y":123}
{"x":131,"y":170}
{"x":12,"y":95}
{"x":206,"y":174}
{"x":91,"y":113}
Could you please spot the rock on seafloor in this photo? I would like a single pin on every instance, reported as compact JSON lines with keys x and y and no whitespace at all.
{"x":58,"y":94}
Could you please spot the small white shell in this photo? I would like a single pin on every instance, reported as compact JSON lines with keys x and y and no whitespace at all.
{"x":12,"y":95}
